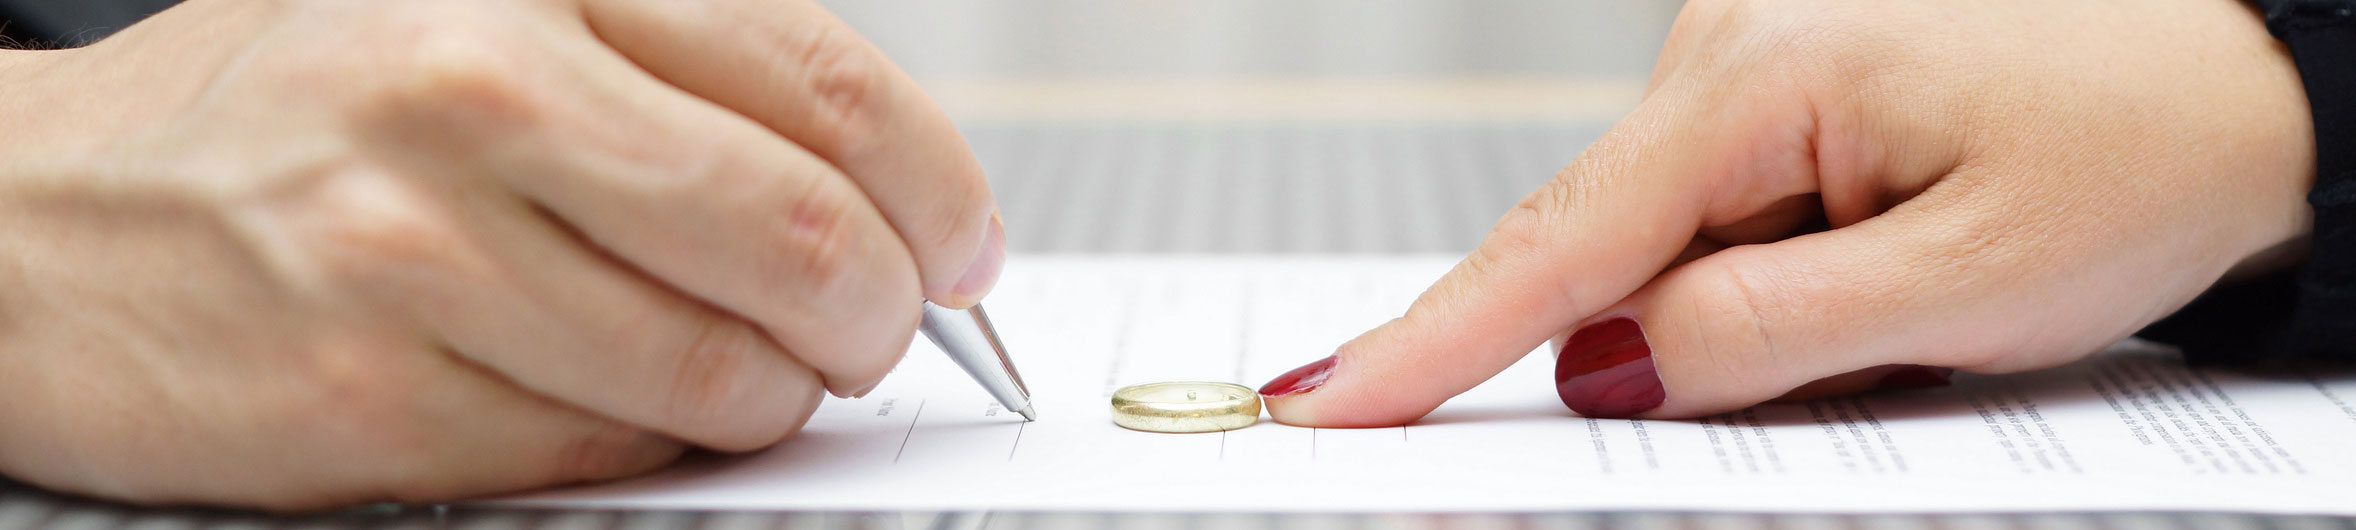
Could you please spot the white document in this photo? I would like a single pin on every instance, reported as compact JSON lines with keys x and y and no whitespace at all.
{"x":2130,"y":429}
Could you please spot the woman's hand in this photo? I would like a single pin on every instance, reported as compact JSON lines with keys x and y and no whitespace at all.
{"x":2007,"y":185}
{"x":309,"y":253}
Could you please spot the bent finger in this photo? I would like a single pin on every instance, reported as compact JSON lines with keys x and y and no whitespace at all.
{"x":385,"y":418}
{"x":489,"y":437}
{"x":696,"y":197}
{"x":795,"y":68}
{"x":489,"y":277}
{"x":1953,"y":279}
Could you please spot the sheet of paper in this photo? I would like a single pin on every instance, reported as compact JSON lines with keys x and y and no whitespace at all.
{"x":2130,"y":429}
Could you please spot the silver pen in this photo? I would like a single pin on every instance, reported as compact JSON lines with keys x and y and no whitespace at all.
{"x":969,"y":339}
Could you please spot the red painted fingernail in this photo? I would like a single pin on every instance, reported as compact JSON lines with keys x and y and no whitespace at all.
{"x":1301,"y":380}
{"x":1606,"y":371}
{"x":1916,"y":377}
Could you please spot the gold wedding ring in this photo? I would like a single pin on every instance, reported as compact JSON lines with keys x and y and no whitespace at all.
{"x":1186,"y":407}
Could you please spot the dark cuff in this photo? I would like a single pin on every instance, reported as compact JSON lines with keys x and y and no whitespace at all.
{"x":2310,"y":313}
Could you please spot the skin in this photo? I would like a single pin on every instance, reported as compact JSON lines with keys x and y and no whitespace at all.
{"x":310,"y":253}
{"x":2008,"y":186}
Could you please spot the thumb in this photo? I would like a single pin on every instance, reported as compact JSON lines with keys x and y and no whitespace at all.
{"x":1829,"y":313}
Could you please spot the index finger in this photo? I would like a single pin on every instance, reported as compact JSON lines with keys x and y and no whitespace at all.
{"x":1603,"y":227}
{"x":795,"y":68}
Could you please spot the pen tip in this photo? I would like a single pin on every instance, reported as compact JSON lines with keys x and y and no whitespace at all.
{"x":1029,"y":414}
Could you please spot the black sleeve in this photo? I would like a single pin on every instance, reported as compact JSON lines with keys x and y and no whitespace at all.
{"x":69,"y":23}
{"x":2310,"y":313}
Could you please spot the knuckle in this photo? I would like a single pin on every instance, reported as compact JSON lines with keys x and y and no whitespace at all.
{"x":814,"y":255}
{"x":382,"y":243}
{"x":1736,"y":313}
{"x":709,"y":396}
{"x":460,"y":78}
{"x":708,"y":399}
{"x":1525,"y":231}
{"x":704,"y":388}
{"x":842,"y":75}
{"x":1529,"y":224}
{"x":1744,"y":297}
{"x":374,"y":232}
{"x":1804,"y":39}
{"x":1490,"y":262}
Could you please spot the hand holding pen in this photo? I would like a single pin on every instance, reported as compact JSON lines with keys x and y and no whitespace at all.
{"x":433,"y":250}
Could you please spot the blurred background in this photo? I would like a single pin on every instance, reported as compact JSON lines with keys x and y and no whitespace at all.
{"x":1324,"y":126}
{"x":1367,"y":40}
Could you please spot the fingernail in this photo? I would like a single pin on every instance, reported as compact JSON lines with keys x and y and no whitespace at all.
{"x":1301,"y":380}
{"x":1606,"y":371}
{"x":863,"y":392}
{"x":1916,"y":377}
{"x":983,"y":274}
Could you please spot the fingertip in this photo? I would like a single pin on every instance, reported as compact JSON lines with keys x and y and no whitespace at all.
{"x":1283,"y":396}
{"x":1302,"y":380}
{"x":1328,"y":393}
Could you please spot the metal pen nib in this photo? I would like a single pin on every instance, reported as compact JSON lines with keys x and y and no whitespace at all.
{"x":972,"y":342}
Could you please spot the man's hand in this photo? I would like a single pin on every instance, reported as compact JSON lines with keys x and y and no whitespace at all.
{"x":2007,"y":185}
{"x":309,"y":253}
